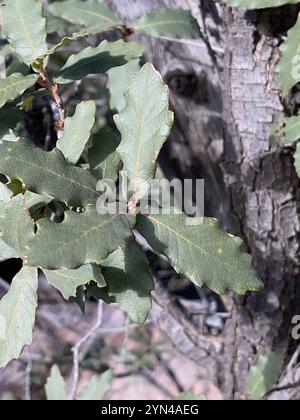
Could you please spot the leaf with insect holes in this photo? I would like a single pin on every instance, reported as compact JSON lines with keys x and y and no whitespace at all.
{"x":48,"y":173}
{"x":264,"y":375}
{"x":204,"y":253}
{"x":25,"y":28}
{"x":68,"y":281}
{"x":77,"y":131}
{"x":95,"y":16}
{"x":97,"y":387}
{"x":55,"y":387}
{"x":289,"y":64}
{"x":103,"y":158}
{"x":97,"y":60}
{"x":119,"y":79}
{"x":129,"y":282}
{"x":172,"y":23}
{"x":144,"y":124}
{"x":17,"y":315}
{"x":14,"y":86}
{"x":16,"y":225}
{"x":259,"y":4}
{"x":80,"y":239}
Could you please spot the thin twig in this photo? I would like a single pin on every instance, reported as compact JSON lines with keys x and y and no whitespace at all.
{"x":27,"y":381}
{"x":53,"y":90}
{"x":72,"y":391}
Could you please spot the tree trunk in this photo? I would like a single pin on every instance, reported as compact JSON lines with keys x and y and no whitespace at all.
{"x":225,"y":94}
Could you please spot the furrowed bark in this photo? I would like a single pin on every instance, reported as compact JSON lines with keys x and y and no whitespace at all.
{"x":225,"y":93}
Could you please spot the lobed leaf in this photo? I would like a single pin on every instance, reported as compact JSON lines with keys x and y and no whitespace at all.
{"x":204,"y":253}
{"x":119,"y":78}
{"x":68,"y":281}
{"x":144,"y":124}
{"x":80,"y":239}
{"x":129,"y":281}
{"x":17,"y":315}
{"x":48,"y":173}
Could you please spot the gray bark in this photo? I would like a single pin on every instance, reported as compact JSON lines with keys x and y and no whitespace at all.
{"x":224,"y":91}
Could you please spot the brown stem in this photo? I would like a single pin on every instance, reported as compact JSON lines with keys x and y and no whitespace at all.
{"x":53,"y":90}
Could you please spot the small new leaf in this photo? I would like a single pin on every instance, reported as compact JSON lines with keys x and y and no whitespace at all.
{"x":17,"y":315}
{"x":55,"y":387}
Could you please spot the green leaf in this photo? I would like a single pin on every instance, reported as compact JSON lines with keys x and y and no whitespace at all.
{"x":55,"y":387}
{"x":35,"y":202}
{"x":98,"y":60}
{"x":119,"y":79}
{"x":5,"y":193}
{"x":80,"y":239}
{"x":264,"y":375}
{"x":16,"y":225}
{"x":97,"y":388}
{"x":103,"y":157}
{"x":129,"y":281}
{"x":68,"y":281}
{"x":42,"y":60}
{"x":17,"y":315}
{"x":204,"y":253}
{"x":97,"y":17}
{"x":48,"y":173}
{"x":173,"y":23}
{"x":291,"y":130}
{"x":259,"y":4}
{"x":77,"y":131}
{"x":289,"y":64}
{"x":14,"y":86}
{"x":144,"y":124}
{"x":6,"y":252}
{"x":25,"y":28}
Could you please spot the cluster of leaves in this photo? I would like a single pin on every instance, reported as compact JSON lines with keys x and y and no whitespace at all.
{"x":289,"y":73}
{"x":84,"y":250}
